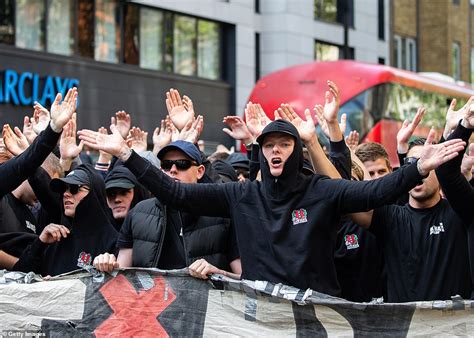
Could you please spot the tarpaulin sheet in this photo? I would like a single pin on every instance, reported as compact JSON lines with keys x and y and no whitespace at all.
{"x":150,"y":302}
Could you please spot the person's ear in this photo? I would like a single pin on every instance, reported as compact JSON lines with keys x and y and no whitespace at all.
{"x":200,"y":171}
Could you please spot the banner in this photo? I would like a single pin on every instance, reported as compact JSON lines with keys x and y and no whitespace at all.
{"x":150,"y":302}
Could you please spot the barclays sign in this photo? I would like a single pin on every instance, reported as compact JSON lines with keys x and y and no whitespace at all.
{"x":23,"y":89}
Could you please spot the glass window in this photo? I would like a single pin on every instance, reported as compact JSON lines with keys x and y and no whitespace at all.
{"x":184,"y":45}
{"x":60,"y":27}
{"x":208,"y":50}
{"x":85,"y":27}
{"x":472,"y":65}
{"x":326,"y":52}
{"x":151,"y":38}
{"x":30,"y":33}
{"x":411,"y":54}
{"x":397,"y":51}
{"x":381,"y":19}
{"x":7,"y":16}
{"x":131,"y":35}
{"x":456,"y":61}
{"x":325,"y":9}
{"x":107,"y":31}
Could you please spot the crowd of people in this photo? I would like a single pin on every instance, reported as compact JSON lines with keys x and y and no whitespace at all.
{"x":342,"y":221}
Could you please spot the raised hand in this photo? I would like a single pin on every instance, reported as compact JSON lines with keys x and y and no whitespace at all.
{"x":172,"y":128}
{"x":106,"y":262}
{"x":454,"y":116}
{"x":68,"y":147}
{"x":41,"y":118}
{"x":256,"y":119}
{"x":238,"y":129}
{"x":323,"y":124}
{"x":53,"y":233}
{"x":468,"y":116}
{"x":192,"y":130}
{"x":113,"y":144}
{"x":28,"y":130}
{"x":103,"y":156}
{"x":15,"y":142}
{"x":468,"y":162}
{"x":137,"y":139}
{"x":161,"y":137}
{"x":122,"y":121}
{"x":352,"y":140}
{"x":407,"y":129}
{"x":305,"y":128}
{"x":433,"y":155}
{"x":61,"y":112}
{"x":331,"y":104}
{"x":180,"y":111}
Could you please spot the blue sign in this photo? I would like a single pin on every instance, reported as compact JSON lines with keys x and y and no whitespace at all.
{"x":23,"y":89}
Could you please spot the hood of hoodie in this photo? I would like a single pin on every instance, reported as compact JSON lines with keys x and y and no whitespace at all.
{"x":291,"y":178}
{"x":92,"y":232}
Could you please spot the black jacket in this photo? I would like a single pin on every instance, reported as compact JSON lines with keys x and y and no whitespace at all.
{"x":14,"y":171}
{"x":15,"y":216}
{"x":286,"y":226}
{"x":203,"y":237}
{"x":91,"y":234}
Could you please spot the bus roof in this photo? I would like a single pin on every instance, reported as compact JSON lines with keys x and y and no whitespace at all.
{"x":303,"y":86}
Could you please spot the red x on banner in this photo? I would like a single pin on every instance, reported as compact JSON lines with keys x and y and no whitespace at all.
{"x":135,"y":313}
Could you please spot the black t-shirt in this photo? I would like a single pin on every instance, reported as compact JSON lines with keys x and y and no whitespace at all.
{"x":426,"y":253}
{"x":359,"y":263}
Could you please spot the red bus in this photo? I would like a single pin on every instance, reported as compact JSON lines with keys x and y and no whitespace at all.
{"x":376,"y":98}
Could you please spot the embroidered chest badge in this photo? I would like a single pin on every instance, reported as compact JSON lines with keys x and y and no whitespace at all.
{"x":84,"y":259}
{"x":352,"y":241}
{"x":299,"y":216}
{"x":436,"y":230}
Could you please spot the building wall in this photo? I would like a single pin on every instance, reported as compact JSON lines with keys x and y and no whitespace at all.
{"x":436,"y":24}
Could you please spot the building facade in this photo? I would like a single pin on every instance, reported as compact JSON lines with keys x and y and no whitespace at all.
{"x":434,"y":36}
{"x":126,"y":54}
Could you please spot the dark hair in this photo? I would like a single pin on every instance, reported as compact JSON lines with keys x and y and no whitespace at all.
{"x":372,"y":151}
{"x":419,"y":141}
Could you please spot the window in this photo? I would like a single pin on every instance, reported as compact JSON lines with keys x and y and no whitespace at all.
{"x":107,"y":31}
{"x":472,"y":64}
{"x":85,"y":27}
{"x":381,"y":61}
{"x":411,"y":54}
{"x":208,"y":50}
{"x":131,"y":52}
{"x":404,"y":53}
{"x":60,"y":19}
{"x":257,"y":56}
{"x":7,"y":28}
{"x":456,"y":61}
{"x":324,"y":51}
{"x":30,"y":34}
{"x":184,"y":45}
{"x":325,"y":9}
{"x":381,"y":19}
{"x":151,"y":39}
{"x":116,"y":31}
{"x":334,"y":11}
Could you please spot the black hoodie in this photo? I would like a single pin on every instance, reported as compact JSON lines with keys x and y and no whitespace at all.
{"x":286,"y":226}
{"x":91,"y":234}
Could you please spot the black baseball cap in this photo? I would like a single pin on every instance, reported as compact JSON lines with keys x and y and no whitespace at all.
{"x":78,"y":176}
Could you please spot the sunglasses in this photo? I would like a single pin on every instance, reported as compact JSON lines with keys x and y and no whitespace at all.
{"x":74,"y":188}
{"x":409,"y":160}
{"x":180,"y":164}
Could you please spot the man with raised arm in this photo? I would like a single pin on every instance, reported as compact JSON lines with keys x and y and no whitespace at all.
{"x":285,"y":224}
{"x":14,"y":171}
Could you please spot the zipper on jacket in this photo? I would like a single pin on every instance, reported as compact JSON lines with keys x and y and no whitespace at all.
{"x":163,"y":232}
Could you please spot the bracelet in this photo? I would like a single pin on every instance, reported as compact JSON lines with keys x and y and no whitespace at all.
{"x":103,"y":164}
